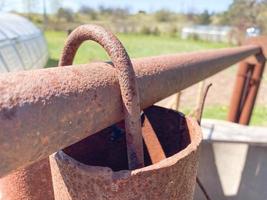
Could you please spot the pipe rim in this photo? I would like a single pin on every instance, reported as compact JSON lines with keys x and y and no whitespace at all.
{"x":195,"y":134}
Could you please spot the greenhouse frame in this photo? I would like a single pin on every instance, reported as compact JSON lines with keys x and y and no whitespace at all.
{"x":22,"y":44}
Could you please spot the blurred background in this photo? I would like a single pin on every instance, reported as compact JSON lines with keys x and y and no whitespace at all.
{"x":146,"y":28}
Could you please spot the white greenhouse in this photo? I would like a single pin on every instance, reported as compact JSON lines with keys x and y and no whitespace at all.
{"x":22,"y":44}
{"x":209,"y":33}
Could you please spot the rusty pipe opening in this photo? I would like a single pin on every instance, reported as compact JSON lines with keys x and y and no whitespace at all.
{"x":78,"y":175}
{"x":107,"y":148}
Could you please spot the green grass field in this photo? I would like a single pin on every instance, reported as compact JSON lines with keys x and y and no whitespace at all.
{"x":136,"y":45}
{"x":141,"y":46}
{"x":259,"y":116}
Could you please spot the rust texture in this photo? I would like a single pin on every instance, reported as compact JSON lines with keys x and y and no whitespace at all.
{"x":238,"y":92}
{"x":90,"y":170}
{"x":152,"y":142}
{"x":32,"y":183}
{"x":247,"y":83}
{"x":45,"y":110}
{"x":127,"y":82}
{"x":254,"y":84}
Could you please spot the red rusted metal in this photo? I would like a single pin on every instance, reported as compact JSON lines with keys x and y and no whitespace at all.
{"x":152,"y":142}
{"x":238,"y":92}
{"x":89,"y":169}
{"x":42,"y":111}
{"x":254,"y":85}
{"x":127,"y":82}
{"x":247,"y":83}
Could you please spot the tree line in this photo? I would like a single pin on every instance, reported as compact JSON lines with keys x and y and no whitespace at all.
{"x":241,"y":14}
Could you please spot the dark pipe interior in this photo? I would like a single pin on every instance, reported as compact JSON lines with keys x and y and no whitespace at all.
{"x":108,"y":147}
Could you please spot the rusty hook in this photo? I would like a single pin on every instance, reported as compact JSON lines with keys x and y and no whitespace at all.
{"x":126,"y":76}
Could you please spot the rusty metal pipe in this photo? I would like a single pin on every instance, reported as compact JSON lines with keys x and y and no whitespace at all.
{"x":45,"y":110}
{"x":33,"y":182}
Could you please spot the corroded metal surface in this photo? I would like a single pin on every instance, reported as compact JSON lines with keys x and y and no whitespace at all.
{"x":239,"y":91}
{"x":172,"y":178}
{"x":247,"y":83}
{"x":45,"y":110}
{"x":152,"y":142}
{"x":254,"y":84}
{"x":127,"y":82}
{"x":32,"y":183}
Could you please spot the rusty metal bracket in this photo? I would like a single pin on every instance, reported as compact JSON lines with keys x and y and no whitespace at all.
{"x":248,"y":80}
{"x":126,"y":76}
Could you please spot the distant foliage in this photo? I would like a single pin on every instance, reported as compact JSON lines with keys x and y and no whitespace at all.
{"x":245,"y":13}
{"x":204,"y":18}
{"x":66,"y":14}
{"x":163,"y":15}
{"x":155,"y":31}
{"x":145,"y":30}
{"x":241,"y":14}
{"x":92,"y":13}
{"x":194,"y":37}
{"x":119,"y":12}
{"x":173,"y":31}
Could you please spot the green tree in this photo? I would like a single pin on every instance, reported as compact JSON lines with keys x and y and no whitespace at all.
{"x":92,"y":13}
{"x":65,"y":13}
{"x":204,"y":18}
{"x":242,"y":13}
{"x":163,"y":15}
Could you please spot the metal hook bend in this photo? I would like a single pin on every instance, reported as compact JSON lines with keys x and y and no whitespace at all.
{"x":126,"y":76}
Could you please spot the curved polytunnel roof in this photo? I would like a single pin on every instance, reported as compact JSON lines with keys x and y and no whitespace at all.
{"x":22,"y":44}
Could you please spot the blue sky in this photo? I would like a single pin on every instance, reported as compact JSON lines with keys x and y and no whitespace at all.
{"x":133,"y":5}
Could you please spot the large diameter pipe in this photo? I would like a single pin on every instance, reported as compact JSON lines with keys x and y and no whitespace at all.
{"x":44,"y":110}
{"x":31,"y":183}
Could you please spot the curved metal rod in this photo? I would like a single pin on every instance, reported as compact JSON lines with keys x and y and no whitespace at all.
{"x":126,"y":76}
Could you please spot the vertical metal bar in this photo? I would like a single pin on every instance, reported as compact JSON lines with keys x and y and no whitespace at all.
{"x":201,"y":88}
{"x":233,"y":113}
{"x":245,"y":90}
{"x":177,"y":100}
{"x":253,"y":90}
{"x":152,"y":142}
